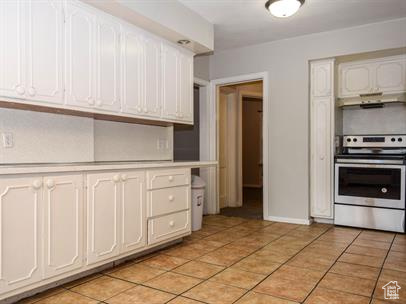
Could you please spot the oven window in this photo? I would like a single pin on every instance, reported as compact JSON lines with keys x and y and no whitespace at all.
{"x":370,"y":182}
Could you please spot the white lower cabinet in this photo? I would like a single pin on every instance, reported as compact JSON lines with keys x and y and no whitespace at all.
{"x":133,"y":214}
{"x":168,"y":226}
{"x":21,"y":238}
{"x":103,"y":211}
{"x":63,"y":223}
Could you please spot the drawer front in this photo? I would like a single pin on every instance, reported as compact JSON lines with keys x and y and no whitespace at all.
{"x":168,"y":226}
{"x":167,"y":178}
{"x":168,"y":200}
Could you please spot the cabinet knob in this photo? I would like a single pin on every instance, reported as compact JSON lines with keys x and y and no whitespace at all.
{"x":90,"y":101}
{"x":171,"y":198}
{"x":170,"y":178}
{"x":20,"y":90}
{"x":98,"y":103}
{"x":145,"y":110}
{"x":116,"y":178}
{"x":50,"y":183}
{"x":171,"y":223}
{"x":32,"y":91}
{"x":139,"y":109}
{"x":123,"y":177}
{"x":322,"y":157}
{"x":181,"y":115}
{"x":37,"y":184}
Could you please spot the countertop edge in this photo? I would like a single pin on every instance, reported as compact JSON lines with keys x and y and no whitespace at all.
{"x":55,"y":168}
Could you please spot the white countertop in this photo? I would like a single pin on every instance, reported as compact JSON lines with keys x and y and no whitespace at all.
{"x":95,"y":166}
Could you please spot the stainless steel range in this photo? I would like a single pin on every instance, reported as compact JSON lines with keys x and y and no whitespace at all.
{"x":370,"y":182}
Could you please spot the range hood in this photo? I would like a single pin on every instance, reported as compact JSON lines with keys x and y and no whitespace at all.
{"x":373,"y":100}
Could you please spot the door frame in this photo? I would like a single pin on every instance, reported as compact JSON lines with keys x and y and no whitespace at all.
{"x":210,"y":121}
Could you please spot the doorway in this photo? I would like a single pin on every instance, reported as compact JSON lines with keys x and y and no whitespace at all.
{"x":240,"y":149}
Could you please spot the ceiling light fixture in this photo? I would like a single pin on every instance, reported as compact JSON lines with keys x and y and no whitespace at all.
{"x":183,"y":41}
{"x":283,"y":8}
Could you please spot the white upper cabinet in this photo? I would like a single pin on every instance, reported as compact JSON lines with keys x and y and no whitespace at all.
{"x":383,"y":75}
{"x":132,"y":53}
{"x":44,"y":79}
{"x":133,"y":224}
{"x":151,"y":76}
{"x":31,"y":40}
{"x":107,"y":74}
{"x":103,"y":210}
{"x":186,"y":87}
{"x":21,"y":236}
{"x":321,"y":138}
{"x":170,"y":82}
{"x":79,"y":55}
{"x":177,"y":84}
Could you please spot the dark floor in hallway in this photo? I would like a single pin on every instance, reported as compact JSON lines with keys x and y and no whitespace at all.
{"x":251,"y":207}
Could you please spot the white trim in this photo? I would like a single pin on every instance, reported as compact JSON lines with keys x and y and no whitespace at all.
{"x":213,"y":121}
{"x":323,"y":220}
{"x":201,"y":82}
{"x":289,"y":220}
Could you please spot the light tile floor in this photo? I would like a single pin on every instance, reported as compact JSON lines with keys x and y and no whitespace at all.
{"x":234,"y":260}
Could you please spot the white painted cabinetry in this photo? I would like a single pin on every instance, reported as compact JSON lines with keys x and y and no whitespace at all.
{"x":115,"y":214}
{"x":383,"y":75}
{"x":177,"y":84}
{"x":321,"y":138}
{"x":63,"y":223}
{"x":31,"y":45}
{"x":21,"y":236}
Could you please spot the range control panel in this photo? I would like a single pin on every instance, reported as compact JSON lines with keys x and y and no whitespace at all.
{"x":374,"y":141}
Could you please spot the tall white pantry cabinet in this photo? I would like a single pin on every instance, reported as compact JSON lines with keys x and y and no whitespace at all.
{"x":322,"y":129}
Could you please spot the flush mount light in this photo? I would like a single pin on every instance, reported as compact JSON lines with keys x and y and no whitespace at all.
{"x":183,"y":41}
{"x":283,"y":8}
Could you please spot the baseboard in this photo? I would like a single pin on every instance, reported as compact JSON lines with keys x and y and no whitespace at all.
{"x":288,"y":220}
{"x":323,"y":220}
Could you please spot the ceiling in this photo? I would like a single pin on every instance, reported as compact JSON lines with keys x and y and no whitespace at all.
{"x":245,"y":22}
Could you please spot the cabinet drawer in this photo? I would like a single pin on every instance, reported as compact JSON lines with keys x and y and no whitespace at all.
{"x":157,"y":179}
{"x":168,"y":226}
{"x":168,"y":200}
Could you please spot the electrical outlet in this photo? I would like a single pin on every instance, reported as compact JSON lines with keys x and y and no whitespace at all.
{"x":8,"y":141}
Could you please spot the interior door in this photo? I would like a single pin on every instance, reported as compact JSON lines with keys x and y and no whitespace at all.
{"x":107,"y":63}
{"x":44,"y":51}
{"x":12,"y":71}
{"x":223,"y":150}
{"x":132,"y":78}
{"x":133,"y":214}
{"x":103,"y":203}
{"x":79,"y":55}
{"x":63,"y":204}
{"x":21,"y":236}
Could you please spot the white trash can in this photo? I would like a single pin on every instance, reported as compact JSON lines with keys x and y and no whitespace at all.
{"x":198,"y":186}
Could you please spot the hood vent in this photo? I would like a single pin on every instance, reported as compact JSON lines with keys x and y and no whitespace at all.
{"x":374,"y":100}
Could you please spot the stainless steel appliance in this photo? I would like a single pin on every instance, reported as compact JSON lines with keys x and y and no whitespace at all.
{"x":370,"y":182}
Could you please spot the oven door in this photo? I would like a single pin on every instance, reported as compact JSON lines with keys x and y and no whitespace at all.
{"x":370,"y":185}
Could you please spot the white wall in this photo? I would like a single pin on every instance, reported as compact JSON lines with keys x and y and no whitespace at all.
{"x":201,"y":67}
{"x":115,"y":141}
{"x":44,"y":137}
{"x":287,"y":62}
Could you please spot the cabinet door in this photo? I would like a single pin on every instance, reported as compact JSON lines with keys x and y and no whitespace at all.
{"x":12,"y":24}
{"x":80,"y":44}
{"x":152,"y":72}
{"x":20,"y":224}
{"x":170,"y":79}
{"x":355,"y":79}
{"x":132,"y":75}
{"x":185,"y":88}
{"x":321,"y":159}
{"x":321,"y":82}
{"x":44,"y":51}
{"x":133,"y":215}
{"x":390,"y":75}
{"x":103,"y":211}
{"x":63,"y":204}
{"x":107,"y":64}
